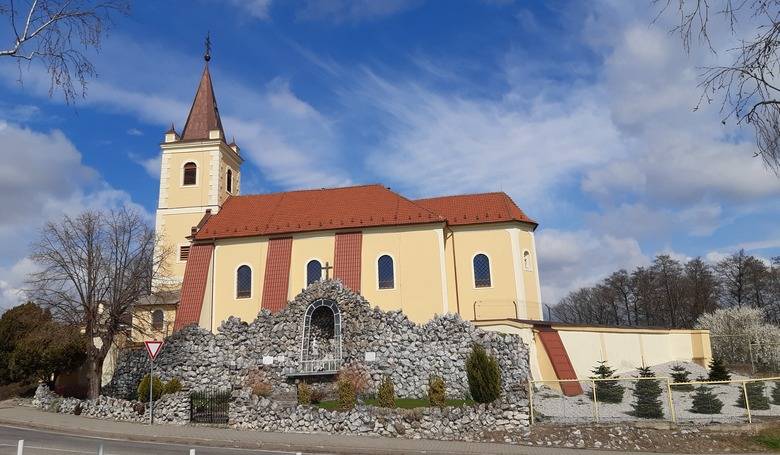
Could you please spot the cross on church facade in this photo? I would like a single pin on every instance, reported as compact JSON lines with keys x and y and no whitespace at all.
{"x":327,"y":269}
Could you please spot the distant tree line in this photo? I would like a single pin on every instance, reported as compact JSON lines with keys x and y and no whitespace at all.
{"x":671,"y":293}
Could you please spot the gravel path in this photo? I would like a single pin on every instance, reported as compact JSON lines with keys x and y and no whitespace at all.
{"x":551,"y":405}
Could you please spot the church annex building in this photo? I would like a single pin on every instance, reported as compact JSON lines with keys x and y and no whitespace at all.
{"x":474,"y":255}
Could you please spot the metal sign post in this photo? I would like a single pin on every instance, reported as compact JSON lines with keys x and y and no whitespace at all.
{"x":152,"y":348}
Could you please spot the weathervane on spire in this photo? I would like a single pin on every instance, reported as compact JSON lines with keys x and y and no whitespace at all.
{"x":207,"y":55}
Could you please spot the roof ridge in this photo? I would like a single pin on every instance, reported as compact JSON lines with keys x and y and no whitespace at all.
{"x":311,"y":190}
{"x":462,"y":195}
{"x":426,"y":209}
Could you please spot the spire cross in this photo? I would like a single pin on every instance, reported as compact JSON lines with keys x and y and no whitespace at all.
{"x":207,"y":55}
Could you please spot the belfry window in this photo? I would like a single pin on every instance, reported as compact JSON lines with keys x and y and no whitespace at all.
{"x":385,"y":272}
{"x":313,"y":271}
{"x":229,"y":179}
{"x":190,"y":174}
{"x":158,"y":319}
{"x":244,"y":282}
{"x":481,"y":271}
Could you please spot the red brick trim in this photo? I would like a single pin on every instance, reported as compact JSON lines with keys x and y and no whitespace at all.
{"x":277,"y":274}
{"x":347,"y":258}
{"x":559,"y":358}
{"x":193,"y":286}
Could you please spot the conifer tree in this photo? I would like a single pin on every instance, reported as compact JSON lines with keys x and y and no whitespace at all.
{"x":607,"y":391}
{"x":718,"y":371}
{"x":483,"y":375}
{"x":705,"y":402}
{"x":776,"y":393}
{"x":680,"y":376}
{"x":756,"y":396}
{"x":647,"y":392}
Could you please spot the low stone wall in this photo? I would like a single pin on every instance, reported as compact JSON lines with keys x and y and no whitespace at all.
{"x":408,"y":352}
{"x":173,"y":408}
{"x":466,"y":423}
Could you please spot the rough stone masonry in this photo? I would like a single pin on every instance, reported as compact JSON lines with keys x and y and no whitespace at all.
{"x":408,"y":352}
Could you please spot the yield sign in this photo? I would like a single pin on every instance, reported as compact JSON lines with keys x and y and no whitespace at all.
{"x":153,"y":348}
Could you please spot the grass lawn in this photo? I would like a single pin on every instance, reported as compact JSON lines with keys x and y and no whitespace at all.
{"x":403,"y":403}
{"x":769,"y":438}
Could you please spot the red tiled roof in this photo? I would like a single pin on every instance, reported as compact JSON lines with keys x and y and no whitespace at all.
{"x":193,"y":286}
{"x":475,"y":208}
{"x":347,"y":259}
{"x":277,"y":274}
{"x":314,"y":210}
{"x":204,"y":114}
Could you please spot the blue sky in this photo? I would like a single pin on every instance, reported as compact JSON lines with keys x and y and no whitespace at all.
{"x":581,"y":111}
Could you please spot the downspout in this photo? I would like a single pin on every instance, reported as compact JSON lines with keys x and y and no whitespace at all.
{"x":455,"y":268}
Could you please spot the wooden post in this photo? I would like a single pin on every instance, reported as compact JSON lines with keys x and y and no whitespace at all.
{"x":595,"y":401}
{"x":671,"y":400}
{"x":747,"y":402}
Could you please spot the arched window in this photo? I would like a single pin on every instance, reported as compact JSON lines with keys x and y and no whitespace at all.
{"x":321,"y":348}
{"x":481,"y":271}
{"x":313,"y":271}
{"x":229,"y":181}
{"x":385,"y":272}
{"x":527,"y":260}
{"x":158,"y":319}
{"x":244,"y":282}
{"x":190,"y":173}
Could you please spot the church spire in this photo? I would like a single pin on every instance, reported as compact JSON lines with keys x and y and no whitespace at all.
{"x":204,"y":114}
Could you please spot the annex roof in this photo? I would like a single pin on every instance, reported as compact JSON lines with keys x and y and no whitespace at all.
{"x":476,"y":208}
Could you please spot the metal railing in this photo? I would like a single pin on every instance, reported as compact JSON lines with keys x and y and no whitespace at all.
{"x":676,"y":400}
{"x":316,"y":367}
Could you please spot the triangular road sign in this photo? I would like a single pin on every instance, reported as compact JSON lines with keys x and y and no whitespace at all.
{"x":153,"y":348}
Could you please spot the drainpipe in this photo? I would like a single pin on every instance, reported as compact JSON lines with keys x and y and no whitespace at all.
{"x":455,"y":268}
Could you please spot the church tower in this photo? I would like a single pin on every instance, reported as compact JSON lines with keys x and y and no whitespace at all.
{"x":199,"y":171}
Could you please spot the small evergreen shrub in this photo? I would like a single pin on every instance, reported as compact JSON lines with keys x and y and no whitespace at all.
{"x":483,"y":375}
{"x":77,"y":409}
{"x":143,"y":388}
{"x":680,"y":376}
{"x":386,"y":393}
{"x":304,"y":393}
{"x":607,"y":391}
{"x":776,"y":393}
{"x":756,"y":396}
{"x":718,"y":371}
{"x":705,"y":402}
{"x":172,"y":386}
{"x":258,"y":381}
{"x":347,"y":395}
{"x":437,"y":393}
{"x":647,"y":393}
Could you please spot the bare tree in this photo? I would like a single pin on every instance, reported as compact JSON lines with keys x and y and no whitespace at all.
{"x":93,"y":268}
{"x":59,"y":33}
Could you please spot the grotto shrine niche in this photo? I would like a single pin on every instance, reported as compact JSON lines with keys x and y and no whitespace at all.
{"x":321,"y":341}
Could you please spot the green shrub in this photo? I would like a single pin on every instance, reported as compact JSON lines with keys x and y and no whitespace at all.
{"x":347,"y":395}
{"x":317,"y":395}
{"x":776,"y":393}
{"x":705,"y":402}
{"x":647,"y":393}
{"x":607,"y":391}
{"x":680,"y":376}
{"x":386,"y":393}
{"x":172,"y":386}
{"x":304,"y":393}
{"x":483,"y":374}
{"x":718,"y":371}
{"x":437,"y":393}
{"x":143,"y":388}
{"x":756,"y":396}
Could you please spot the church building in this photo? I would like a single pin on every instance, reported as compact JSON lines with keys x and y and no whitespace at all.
{"x":233,"y":254}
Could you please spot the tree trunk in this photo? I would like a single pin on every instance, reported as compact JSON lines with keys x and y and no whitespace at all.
{"x":94,"y":377}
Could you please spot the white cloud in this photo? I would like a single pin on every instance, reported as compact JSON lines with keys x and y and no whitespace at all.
{"x":135,"y":132}
{"x":258,"y":9}
{"x":353,"y":10}
{"x":42,"y":178}
{"x":151,"y":165}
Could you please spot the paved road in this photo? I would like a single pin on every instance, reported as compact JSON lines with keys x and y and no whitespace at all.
{"x":37,"y":442}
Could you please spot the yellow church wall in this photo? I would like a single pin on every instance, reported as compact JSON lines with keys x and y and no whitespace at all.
{"x":142,"y":329}
{"x":230,"y":254}
{"x":173,"y":228}
{"x":417,"y":254}
{"x":531,"y":285}
{"x":180,"y":195}
{"x":305,"y":247}
{"x":498,"y":300}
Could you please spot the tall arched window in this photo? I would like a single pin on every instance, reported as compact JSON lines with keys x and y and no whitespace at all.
{"x":190,"y":173}
{"x":244,"y":282}
{"x":158,"y":319}
{"x":385,"y":272}
{"x":229,"y":179}
{"x":313,"y":271}
{"x":481,"y":271}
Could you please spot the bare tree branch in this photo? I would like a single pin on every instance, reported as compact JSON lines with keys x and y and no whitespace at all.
{"x":60,"y":34}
